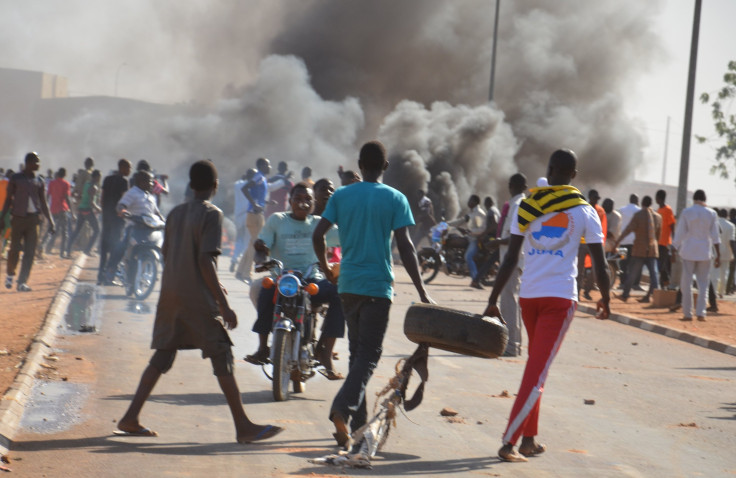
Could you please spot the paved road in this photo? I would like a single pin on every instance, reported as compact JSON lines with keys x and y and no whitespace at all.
{"x":662,"y":407}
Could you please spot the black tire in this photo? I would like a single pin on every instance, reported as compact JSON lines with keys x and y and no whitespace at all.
{"x":429,"y":264}
{"x":612,"y":274}
{"x":282,"y":348}
{"x":456,"y":331}
{"x":145,"y":274}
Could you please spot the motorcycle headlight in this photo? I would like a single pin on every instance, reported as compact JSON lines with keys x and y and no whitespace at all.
{"x":288,"y":285}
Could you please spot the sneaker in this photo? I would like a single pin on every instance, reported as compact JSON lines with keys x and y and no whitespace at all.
{"x":24,"y":287}
{"x":8,"y":282}
{"x":476,"y":285}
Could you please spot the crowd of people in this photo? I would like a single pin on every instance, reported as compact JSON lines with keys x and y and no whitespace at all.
{"x":38,"y":209}
{"x":548,"y":243}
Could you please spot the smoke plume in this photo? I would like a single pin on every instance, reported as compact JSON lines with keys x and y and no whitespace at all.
{"x":306,"y":82}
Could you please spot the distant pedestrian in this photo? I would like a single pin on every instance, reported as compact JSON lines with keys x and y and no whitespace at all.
{"x":665,"y":238}
{"x":584,"y":282}
{"x":550,"y":225}
{"x":240,"y":212}
{"x":256,"y":192}
{"x":646,"y":226}
{"x":113,"y":188}
{"x":367,"y":214}
{"x":25,"y":200}
{"x":193,"y":306}
{"x":278,"y":198}
{"x":59,"y":193}
{"x":307,"y":176}
{"x":696,"y":239}
{"x":730,"y":287}
{"x":476,"y":226}
{"x":613,"y":218}
{"x":510,"y":294}
{"x":424,"y":218}
{"x":627,"y":241}
{"x":719,"y":274}
{"x":87,"y":209}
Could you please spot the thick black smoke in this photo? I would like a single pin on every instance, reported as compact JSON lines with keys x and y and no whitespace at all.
{"x":413,"y":73}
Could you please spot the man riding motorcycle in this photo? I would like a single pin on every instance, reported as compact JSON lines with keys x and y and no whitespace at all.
{"x":287,"y":237}
{"x":137,"y":201}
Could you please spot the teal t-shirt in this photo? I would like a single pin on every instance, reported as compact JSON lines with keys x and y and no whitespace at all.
{"x":290,"y":241}
{"x":367,"y":214}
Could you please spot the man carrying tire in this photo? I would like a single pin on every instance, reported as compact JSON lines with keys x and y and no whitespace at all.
{"x":366,"y":213}
{"x":550,"y":225}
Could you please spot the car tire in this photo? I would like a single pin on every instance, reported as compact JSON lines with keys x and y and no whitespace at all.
{"x":456,"y":331}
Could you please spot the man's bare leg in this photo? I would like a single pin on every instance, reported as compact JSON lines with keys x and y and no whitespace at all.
{"x":245,"y":430}
{"x":129,"y":422}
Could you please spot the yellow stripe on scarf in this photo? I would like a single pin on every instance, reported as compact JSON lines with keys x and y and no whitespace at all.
{"x":546,"y":200}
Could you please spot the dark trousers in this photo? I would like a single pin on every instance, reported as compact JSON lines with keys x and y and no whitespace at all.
{"x":83,"y":217}
{"x":730,"y":283}
{"x":665,"y":265}
{"x":112,"y":232}
{"x":62,"y":221}
{"x":23,"y":236}
{"x":334,"y":325}
{"x":635,"y":266}
{"x":367,"y":320}
{"x":625,"y":267}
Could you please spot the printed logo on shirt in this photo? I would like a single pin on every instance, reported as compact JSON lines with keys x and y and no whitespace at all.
{"x":550,"y":236}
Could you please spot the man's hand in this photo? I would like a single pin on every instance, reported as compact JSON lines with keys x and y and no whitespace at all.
{"x":229,"y":317}
{"x":331,"y":274}
{"x":426,"y":299}
{"x":602,"y":310}
{"x":493,"y":311}
{"x":717,"y":262}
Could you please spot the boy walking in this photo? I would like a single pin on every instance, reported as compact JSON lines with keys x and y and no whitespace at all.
{"x":192,"y":304}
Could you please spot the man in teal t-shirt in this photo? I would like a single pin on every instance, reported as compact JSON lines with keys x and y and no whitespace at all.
{"x":367,"y":213}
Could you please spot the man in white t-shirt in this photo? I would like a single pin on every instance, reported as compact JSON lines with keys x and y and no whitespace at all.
{"x":627,"y":212}
{"x":510,"y":293}
{"x":549,"y":225}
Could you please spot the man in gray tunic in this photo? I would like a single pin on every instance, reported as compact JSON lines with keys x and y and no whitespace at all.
{"x":193,"y":311}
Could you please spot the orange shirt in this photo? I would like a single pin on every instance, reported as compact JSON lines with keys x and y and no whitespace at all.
{"x":668,"y":225}
{"x":604,"y":220}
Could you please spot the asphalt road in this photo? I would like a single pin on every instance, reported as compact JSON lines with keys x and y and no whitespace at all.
{"x":662,"y":407}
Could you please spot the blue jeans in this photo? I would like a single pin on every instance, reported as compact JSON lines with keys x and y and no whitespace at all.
{"x":635,"y":266}
{"x":334,"y":325}
{"x":469,"y":254}
{"x":367,"y":319}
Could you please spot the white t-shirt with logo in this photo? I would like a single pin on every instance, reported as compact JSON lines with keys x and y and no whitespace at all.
{"x":551,"y":251}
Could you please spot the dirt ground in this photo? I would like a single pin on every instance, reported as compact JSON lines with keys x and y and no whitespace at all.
{"x":22,"y":313}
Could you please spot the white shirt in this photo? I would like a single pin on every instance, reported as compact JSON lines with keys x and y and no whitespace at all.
{"x":627,"y":212}
{"x":139,"y":202}
{"x":551,"y":251}
{"x":477,"y":221}
{"x":696,"y":232}
{"x":511,"y":216}
{"x":728,"y":234}
{"x":241,"y":202}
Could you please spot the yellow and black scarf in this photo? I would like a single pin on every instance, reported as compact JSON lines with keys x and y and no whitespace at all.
{"x":549,"y":199}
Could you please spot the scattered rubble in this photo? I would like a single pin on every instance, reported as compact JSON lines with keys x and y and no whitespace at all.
{"x":589,"y":401}
{"x":448,"y":412}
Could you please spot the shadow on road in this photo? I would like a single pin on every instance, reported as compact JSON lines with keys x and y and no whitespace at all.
{"x":210,"y":399}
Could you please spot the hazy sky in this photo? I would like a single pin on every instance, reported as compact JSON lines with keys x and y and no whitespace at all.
{"x":662,"y":94}
{"x":625,"y":83}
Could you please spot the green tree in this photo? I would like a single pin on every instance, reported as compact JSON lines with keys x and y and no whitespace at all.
{"x":724,"y":122}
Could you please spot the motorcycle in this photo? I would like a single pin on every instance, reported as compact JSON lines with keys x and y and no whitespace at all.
{"x":614,"y":259}
{"x":449,"y":255}
{"x":138,"y":271}
{"x":294,"y":328}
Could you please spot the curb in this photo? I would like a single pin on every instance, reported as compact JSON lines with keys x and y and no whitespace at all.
{"x":12,"y":404}
{"x":666,"y":331}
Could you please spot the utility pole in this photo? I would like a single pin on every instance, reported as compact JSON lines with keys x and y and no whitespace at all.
{"x":493,"y":52}
{"x":666,"y":145}
{"x":687,"y":128}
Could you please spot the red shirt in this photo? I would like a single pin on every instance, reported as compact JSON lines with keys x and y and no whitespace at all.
{"x":604,"y":220}
{"x":59,"y":191}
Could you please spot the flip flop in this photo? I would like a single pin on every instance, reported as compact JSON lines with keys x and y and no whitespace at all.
{"x":513,"y":457}
{"x":331,"y":374}
{"x":269,"y":431}
{"x":258,"y":358}
{"x":141,"y":432}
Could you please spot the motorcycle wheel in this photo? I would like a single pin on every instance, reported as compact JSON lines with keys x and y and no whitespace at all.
{"x":145,"y":275}
{"x":429,"y":264}
{"x":456,"y":331}
{"x":612,"y":274}
{"x":282,"y":349}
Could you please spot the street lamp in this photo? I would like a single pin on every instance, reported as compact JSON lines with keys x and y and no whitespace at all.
{"x":117,"y":75}
{"x":493,"y":52}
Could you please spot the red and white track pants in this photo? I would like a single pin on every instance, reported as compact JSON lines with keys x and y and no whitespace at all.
{"x":546,"y":320}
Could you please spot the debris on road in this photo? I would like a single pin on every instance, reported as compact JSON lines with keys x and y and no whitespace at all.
{"x":504,"y":394}
{"x":448,"y":412}
{"x":688,"y":425}
{"x":589,"y":401}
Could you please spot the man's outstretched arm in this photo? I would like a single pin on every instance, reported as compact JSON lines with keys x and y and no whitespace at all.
{"x":320,"y":248}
